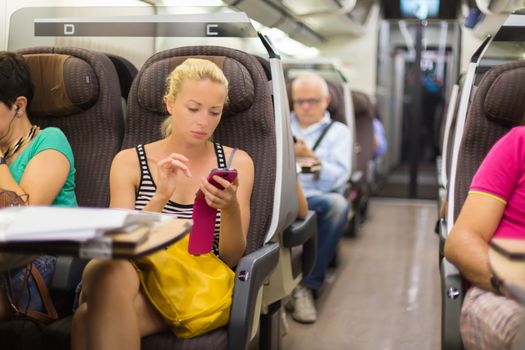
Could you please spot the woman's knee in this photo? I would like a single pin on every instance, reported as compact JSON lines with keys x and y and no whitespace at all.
{"x":105,"y":276}
{"x":78,"y":328}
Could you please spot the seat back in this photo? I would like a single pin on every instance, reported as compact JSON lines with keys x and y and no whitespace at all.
{"x":336,"y":107}
{"x":497,"y":105}
{"x":247,"y":122}
{"x":77,"y":91}
{"x":126,"y":73}
{"x":86,"y":107}
{"x":364,"y":126}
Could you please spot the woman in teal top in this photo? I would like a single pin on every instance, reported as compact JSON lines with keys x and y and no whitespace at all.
{"x":35,"y":163}
{"x":48,"y":139}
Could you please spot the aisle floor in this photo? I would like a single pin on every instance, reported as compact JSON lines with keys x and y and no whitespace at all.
{"x":384,"y":295}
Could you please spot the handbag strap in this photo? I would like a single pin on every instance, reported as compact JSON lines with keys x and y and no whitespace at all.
{"x":51,"y":313}
{"x":230,"y":158}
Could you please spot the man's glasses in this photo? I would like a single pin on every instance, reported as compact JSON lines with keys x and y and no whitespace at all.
{"x":310,"y":101}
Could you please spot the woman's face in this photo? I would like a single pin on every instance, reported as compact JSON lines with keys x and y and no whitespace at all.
{"x":197,"y":109}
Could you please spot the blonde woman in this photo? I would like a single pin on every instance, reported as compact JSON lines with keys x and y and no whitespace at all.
{"x":163,"y":176}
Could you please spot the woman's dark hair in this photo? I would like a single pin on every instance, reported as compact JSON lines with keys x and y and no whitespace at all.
{"x":15,"y":78}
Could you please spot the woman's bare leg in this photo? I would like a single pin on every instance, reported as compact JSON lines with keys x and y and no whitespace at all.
{"x":114,"y":313}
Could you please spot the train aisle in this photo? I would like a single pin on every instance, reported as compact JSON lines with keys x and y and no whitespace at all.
{"x":385,"y":293}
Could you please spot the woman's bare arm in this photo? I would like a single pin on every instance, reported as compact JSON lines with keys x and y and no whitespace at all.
{"x":467,"y":245}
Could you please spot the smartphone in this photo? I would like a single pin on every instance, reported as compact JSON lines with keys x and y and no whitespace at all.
{"x":201,"y":235}
{"x":228,"y":174}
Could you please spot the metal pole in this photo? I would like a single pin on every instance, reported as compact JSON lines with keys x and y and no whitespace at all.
{"x":416,"y":113}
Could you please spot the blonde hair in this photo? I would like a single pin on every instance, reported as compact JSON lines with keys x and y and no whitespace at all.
{"x":191,"y":69}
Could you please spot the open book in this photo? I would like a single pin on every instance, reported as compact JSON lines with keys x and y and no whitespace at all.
{"x":87,"y":232}
{"x":309,"y":164}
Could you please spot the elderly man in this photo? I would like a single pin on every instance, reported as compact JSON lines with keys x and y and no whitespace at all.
{"x":326,"y":141}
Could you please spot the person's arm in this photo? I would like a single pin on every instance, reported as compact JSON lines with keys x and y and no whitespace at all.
{"x":302,"y":203}
{"x":493,"y":185}
{"x":124,"y":178}
{"x":467,"y":245}
{"x":234,"y":202}
{"x":45,"y":174}
{"x":302,"y":150}
{"x":379,"y":138}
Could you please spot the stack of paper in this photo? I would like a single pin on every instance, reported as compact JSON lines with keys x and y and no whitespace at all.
{"x":69,"y":224}
{"x":87,"y":232}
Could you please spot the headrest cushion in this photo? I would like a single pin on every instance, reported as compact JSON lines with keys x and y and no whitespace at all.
{"x":505,"y":99}
{"x":335,"y":98}
{"x":152,"y":84}
{"x":64,"y":84}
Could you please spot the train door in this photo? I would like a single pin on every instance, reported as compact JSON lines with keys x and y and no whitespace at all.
{"x":417,"y":65}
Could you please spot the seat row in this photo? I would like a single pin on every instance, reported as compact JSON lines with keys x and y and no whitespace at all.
{"x":484,"y":106}
{"x":81,"y":91}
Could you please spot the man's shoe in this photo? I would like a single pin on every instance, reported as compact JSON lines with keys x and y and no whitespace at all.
{"x":304,"y":307}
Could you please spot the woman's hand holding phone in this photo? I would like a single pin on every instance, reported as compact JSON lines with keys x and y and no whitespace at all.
{"x":220,"y":188}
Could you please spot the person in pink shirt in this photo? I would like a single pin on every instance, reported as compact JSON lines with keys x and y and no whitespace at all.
{"x":495,"y":207}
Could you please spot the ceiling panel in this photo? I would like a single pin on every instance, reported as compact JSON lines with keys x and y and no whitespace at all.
{"x":302,"y":7}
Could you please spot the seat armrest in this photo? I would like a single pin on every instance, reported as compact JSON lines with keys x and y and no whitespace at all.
{"x":300,"y":231}
{"x":452,"y":294}
{"x":310,"y":253}
{"x":443,"y":233}
{"x":251,"y":272}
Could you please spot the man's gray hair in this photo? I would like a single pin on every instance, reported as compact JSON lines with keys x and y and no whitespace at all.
{"x":311,"y":77}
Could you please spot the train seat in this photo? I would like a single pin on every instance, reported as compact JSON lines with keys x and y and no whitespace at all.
{"x":87,"y":109}
{"x":301,"y":237}
{"x":126,"y":73}
{"x":92,"y":122}
{"x":357,"y":186}
{"x":447,"y":131}
{"x":336,"y":106}
{"x":247,"y":122}
{"x":298,"y":242}
{"x":365,"y":146}
{"x":496,"y":107}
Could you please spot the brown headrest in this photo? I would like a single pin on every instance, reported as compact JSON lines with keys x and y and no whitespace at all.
{"x":335,"y":97}
{"x":241,"y":92}
{"x":361,"y":102}
{"x":64,"y":84}
{"x":505,"y":99}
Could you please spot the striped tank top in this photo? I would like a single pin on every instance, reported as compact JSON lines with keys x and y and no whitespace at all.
{"x":147,"y":189}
